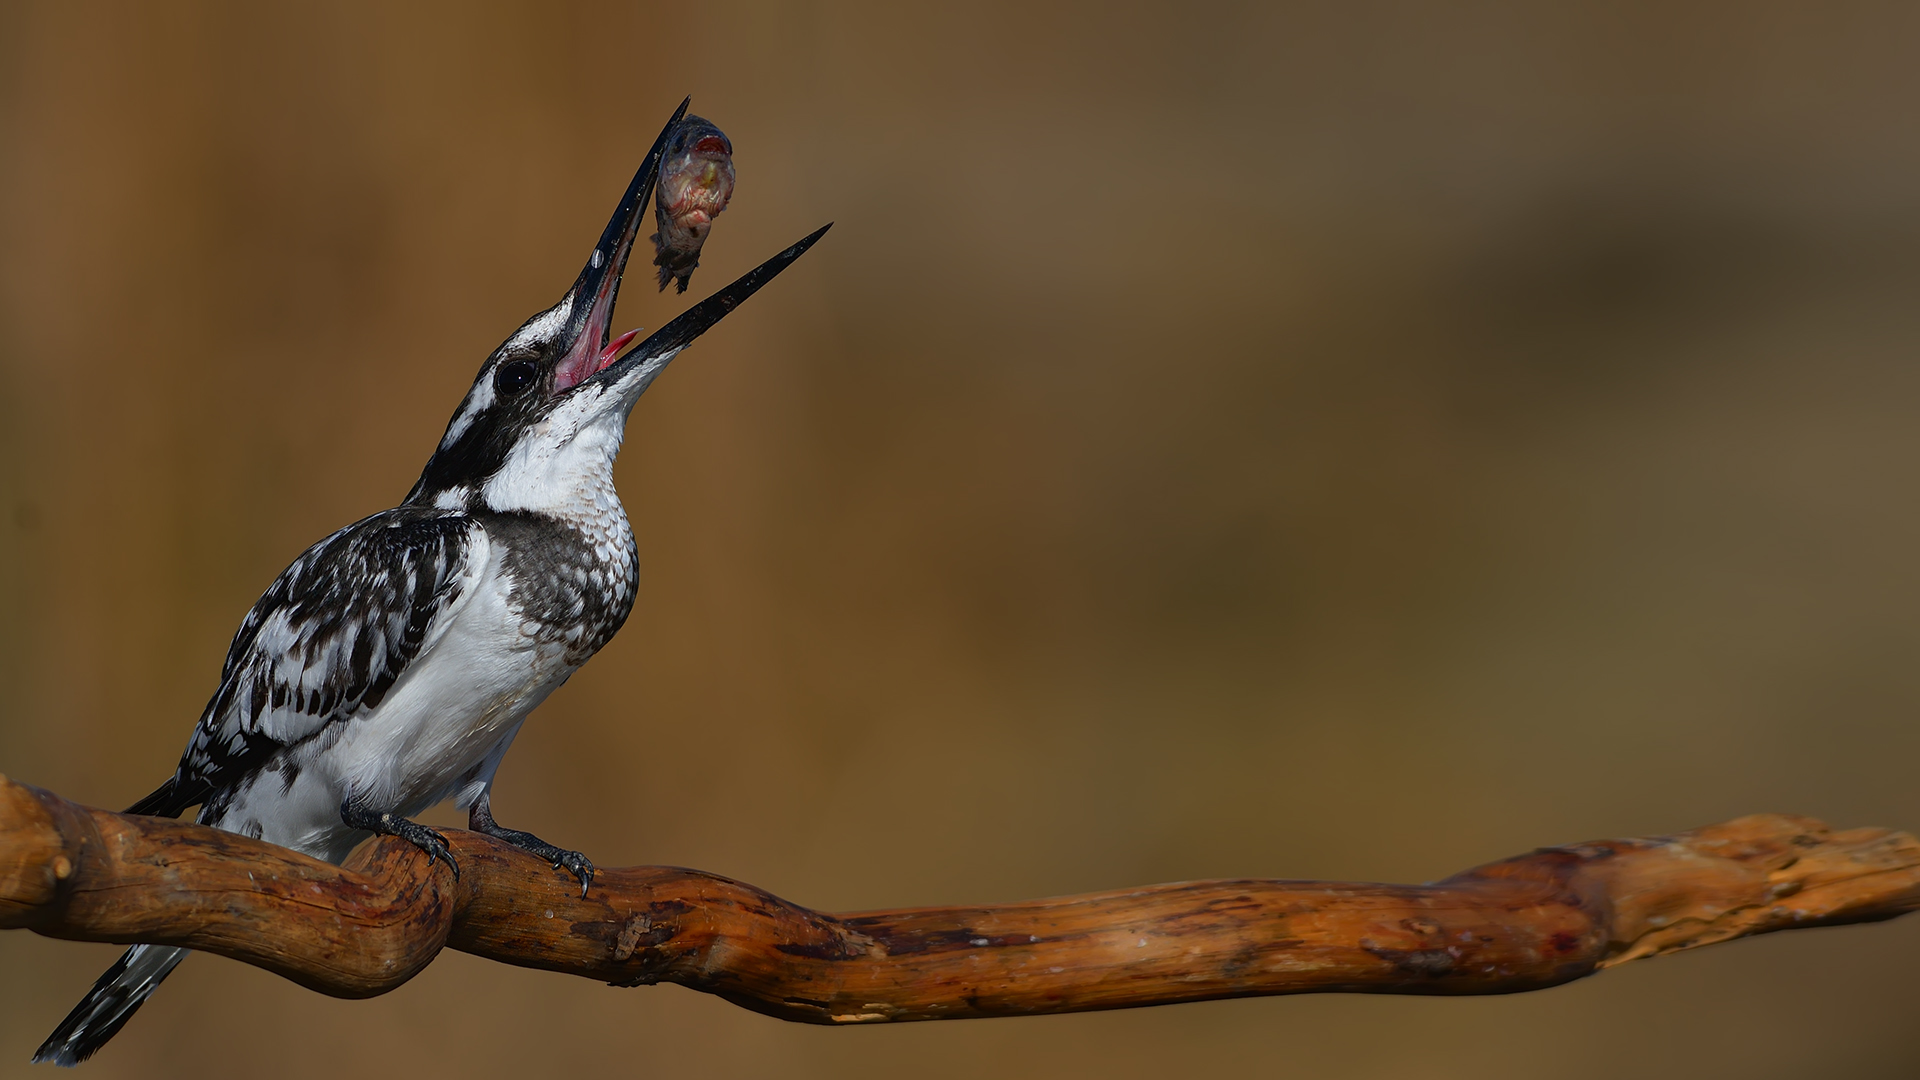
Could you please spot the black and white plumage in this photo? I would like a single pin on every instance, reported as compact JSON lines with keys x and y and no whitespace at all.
{"x":391,"y":665}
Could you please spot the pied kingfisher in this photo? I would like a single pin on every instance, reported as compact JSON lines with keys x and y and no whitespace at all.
{"x":389,"y":668}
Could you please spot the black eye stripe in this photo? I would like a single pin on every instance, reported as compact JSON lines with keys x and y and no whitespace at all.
{"x":515,"y":377}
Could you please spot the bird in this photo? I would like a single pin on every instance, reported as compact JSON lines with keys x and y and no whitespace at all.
{"x":389,"y":668}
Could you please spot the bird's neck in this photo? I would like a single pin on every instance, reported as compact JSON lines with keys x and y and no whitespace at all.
{"x":565,"y":474}
{"x":592,"y":506}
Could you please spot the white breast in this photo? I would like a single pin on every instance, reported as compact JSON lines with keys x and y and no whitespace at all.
{"x":456,"y":702}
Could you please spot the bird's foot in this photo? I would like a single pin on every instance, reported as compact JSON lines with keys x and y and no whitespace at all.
{"x":571,"y":861}
{"x":420,"y":836}
{"x":480,"y":820}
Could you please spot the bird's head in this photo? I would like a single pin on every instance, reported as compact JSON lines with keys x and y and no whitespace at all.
{"x":552,"y":401}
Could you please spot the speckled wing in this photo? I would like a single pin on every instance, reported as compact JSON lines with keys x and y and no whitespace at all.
{"x":329,"y":638}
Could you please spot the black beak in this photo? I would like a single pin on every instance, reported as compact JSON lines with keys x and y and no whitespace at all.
{"x":589,"y":319}
{"x":588,"y":354}
{"x":632,"y":373}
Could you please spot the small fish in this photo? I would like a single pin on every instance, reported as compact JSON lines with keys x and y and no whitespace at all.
{"x":696,"y":180}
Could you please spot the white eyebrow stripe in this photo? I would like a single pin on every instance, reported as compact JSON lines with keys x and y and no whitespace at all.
{"x":479,"y":399}
{"x":544,"y":326}
{"x":539,"y":329}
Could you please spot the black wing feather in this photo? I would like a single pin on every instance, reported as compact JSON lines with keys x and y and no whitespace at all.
{"x":327,"y":641}
{"x":170,"y":799}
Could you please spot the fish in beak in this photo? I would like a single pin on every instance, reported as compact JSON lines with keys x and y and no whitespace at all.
{"x":564,"y":370}
{"x":696,"y":180}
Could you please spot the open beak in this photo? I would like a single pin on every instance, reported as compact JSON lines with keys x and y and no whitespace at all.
{"x":590,"y":313}
{"x":591,"y":351}
{"x":632,"y":373}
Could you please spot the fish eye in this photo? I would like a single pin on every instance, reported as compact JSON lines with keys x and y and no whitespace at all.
{"x":514,"y":378}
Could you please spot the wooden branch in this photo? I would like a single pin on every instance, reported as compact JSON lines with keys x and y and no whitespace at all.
{"x":1525,"y":923}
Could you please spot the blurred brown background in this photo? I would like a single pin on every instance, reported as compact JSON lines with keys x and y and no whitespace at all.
{"x":1293,"y":440}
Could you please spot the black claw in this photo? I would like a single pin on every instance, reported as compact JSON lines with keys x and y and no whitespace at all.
{"x":436,"y":847}
{"x":427,"y":840}
{"x":571,"y":861}
{"x":480,"y":820}
{"x":578,"y":865}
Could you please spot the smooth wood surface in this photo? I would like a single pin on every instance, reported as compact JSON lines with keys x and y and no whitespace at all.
{"x":361,"y":929}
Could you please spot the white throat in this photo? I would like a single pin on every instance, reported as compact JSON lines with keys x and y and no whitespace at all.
{"x":563,"y":466}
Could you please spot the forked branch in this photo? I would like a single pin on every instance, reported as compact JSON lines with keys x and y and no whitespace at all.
{"x":1529,"y":922}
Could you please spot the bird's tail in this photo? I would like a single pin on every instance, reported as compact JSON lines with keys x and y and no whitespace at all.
{"x":109,"y":1005}
{"x":113,"y":1000}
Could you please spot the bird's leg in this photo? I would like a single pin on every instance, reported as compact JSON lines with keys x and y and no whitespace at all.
{"x":358,"y":815}
{"x":480,"y":820}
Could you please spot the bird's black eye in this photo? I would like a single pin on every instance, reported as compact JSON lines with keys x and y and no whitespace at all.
{"x":515,"y":377}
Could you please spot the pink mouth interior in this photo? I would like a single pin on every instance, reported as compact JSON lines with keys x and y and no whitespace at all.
{"x":584,"y":363}
{"x":712,"y":144}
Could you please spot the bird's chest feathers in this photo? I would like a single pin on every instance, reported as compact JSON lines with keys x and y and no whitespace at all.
{"x":565,"y":556}
{"x":568,"y":582}
{"x":552,"y":592}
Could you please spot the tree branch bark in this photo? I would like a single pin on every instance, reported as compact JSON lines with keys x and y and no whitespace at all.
{"x":1525,"y":923}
